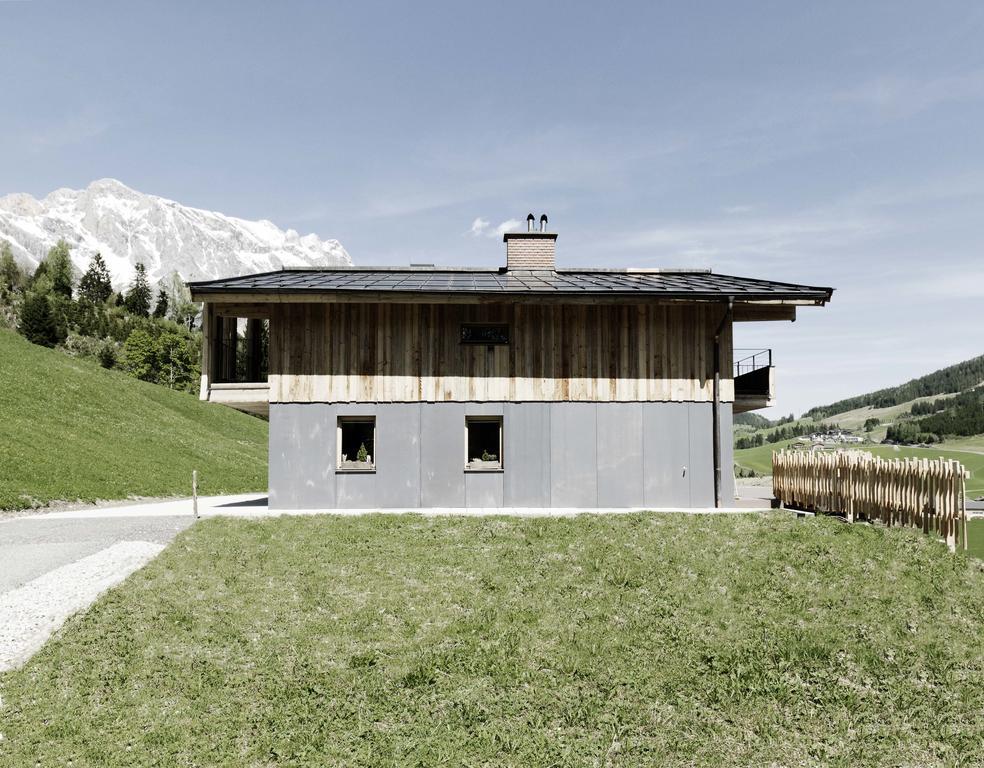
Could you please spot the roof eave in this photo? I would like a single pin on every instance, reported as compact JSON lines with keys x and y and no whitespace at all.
{"x":286,"y":295}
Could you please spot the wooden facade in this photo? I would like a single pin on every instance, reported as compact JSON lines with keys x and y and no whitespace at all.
{"x":407,"y":352}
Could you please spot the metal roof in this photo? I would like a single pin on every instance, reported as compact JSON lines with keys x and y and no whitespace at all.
{"x":649,"y":284}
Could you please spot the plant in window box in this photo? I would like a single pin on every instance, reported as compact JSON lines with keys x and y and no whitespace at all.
{"x":488,"y":461}
{"x":362,"y":459}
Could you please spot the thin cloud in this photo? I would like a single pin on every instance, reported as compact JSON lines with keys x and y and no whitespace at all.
{"x":483,"y":228}
{"x":724,"y":242}
{"x":957,"y":282}
{"x":505,"y":226}
{"x":907,"y":96}
{"x":76,"y":129}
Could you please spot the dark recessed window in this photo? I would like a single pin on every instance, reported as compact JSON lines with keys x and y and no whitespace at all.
{"x":483,"y":442}
{"x":485,"y":333}
{"x":357,"y":443}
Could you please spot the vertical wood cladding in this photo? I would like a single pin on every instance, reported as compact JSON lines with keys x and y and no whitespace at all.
{"x":413,"y":352}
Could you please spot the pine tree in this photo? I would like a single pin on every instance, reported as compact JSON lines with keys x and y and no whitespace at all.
{"x":95,"y":285}
{"x":107,"y":355}
{"x":161,"y":309}
{"x":137,"y":301}
{"x":40,"y":281}
{"x":37,"y":322}
{"x":58,"y":264}
{"x":11,"y":275}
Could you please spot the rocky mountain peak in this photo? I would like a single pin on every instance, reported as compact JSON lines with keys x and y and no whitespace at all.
{"x":129,"y":227}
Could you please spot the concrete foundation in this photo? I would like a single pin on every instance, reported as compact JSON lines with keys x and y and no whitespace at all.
{"x":562,"y":455}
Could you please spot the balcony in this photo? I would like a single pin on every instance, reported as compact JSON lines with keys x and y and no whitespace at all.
{"x":250,"y":396}
{"x":235,"y":363}
{"x":754,"y":379}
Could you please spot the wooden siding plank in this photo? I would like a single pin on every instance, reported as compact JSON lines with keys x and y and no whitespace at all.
{"x":412,"y":352}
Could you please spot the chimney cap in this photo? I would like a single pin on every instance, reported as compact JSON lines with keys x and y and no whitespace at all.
{"x":534,"y":235}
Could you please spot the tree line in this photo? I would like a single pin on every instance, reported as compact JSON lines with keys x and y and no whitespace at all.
{"x":150,"y":337}
{"x":779,"y":434}
{"x":962,"y":415}
{"x":955,"y":378}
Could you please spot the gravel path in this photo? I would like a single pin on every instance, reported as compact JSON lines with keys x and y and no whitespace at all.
{"x":30,"y":613}
{"x":52,"y":567}
{"x":30,"y":547}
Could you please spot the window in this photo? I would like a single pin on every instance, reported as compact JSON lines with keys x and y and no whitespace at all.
{"x":483,"y":443}
{"x":357,"y":443}
{"x":484,"y":333}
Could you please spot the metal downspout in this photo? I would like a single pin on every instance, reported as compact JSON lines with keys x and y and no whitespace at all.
{"x":715,"y":417}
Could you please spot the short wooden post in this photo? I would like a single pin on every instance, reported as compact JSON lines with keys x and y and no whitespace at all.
{"x":964,"y":476}
{"x":194,"y":491}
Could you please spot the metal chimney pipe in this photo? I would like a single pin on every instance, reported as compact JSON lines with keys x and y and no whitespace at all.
{"x":529,"y":222}
{"x":543,"y":223}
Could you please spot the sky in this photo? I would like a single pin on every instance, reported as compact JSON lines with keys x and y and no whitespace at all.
{"x":834,"y":144}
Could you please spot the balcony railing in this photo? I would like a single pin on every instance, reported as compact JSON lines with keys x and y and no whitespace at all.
{"x":754,"y":379}
{"x":748,"y":360}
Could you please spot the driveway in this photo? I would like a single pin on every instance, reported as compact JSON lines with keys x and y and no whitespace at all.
{"x":53,"y":564}
{"x":32,"y":546}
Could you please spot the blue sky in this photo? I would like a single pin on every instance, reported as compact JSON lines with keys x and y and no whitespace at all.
{"x":827,"y":143}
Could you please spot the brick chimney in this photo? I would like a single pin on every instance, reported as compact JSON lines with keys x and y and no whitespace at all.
{"x":531,"y":250}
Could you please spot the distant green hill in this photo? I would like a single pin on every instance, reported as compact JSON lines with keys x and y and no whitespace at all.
{"x":74,"y":431}
{"x":955,"y":378}
{"x":751,"y":419}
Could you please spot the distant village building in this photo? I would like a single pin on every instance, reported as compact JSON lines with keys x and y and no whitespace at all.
{"x":835,"y":437}
{"x":526,"y":385}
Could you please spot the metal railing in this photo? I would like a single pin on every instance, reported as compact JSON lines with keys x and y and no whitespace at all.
{"x":748,"y":360}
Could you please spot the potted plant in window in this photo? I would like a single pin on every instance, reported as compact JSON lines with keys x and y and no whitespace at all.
{"x":362,"y":459}
{"x":487,"y":461}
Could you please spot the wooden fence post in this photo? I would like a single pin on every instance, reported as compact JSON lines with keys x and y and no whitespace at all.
{"x":194,"y":491}
{"x":921,"y":493}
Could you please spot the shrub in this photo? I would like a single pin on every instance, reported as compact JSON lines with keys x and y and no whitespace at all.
{"x":140,"y":355}
{"x":107,"y":354}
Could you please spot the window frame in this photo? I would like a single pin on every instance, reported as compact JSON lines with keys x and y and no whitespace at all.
{"x":341,"y":421}
{"x":478,"y":419}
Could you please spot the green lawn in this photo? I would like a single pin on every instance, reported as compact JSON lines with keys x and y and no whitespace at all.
{"x":633,"y":640}
{"x":760,"y":459}
{"x":72,"y":430}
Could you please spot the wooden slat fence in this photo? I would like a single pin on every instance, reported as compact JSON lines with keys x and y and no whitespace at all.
{"x":920,"y":493}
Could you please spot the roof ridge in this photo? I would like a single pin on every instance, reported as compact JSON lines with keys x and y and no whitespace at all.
{"x":644,"y":285}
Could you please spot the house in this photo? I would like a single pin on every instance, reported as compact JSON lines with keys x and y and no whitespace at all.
{"x":527,"y":385}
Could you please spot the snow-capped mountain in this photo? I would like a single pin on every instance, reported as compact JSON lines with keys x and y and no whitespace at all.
{"x":128,"y":227}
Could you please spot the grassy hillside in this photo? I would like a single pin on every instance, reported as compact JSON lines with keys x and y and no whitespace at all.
{"x":72,"y":430}
{"x":955,"y":378}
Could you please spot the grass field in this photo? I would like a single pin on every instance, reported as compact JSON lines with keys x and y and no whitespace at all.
{"x":975,"y":538}
{"x":631,"y":640}
{"x":760,"y":459}
{"x":72,"y":430}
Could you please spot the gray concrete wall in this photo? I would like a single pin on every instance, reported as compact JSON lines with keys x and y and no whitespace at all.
{"x":554,"y":455}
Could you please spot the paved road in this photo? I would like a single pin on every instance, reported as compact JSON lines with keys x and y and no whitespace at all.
{"x":53,"y":564}
{"x":32,"y":546}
